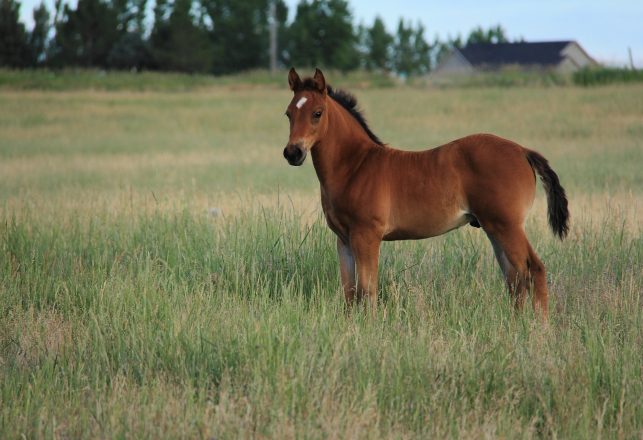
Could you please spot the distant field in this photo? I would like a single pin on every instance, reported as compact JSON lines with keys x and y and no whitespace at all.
{"x":87,"y":79}
{"x":130,"y":308}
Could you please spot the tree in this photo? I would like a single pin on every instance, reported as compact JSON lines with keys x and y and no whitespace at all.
{"x":239,"y":31}
{"x":492,"y":35}
{"x":39,"y":36}
{"x":412,"y":53}
{"x":178,"y":43}
{"x":421,"y":51}
{"x":378,"y":44}
{"x":322,"y":35}
{"x":444,"y":48}
{"x":130,"y":15}
{"x":14,"y":47}
{"x":131,"y":50}
{"x":403,"y":50}
{"x":86,"y":35}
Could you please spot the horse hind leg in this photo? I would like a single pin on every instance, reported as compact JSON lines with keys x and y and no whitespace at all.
{"x":521,"y":267}
{"x":539,"y":278}
{"x":515,"y":283}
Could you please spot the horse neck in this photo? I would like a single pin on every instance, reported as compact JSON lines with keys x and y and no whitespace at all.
{"x":342,"y":150}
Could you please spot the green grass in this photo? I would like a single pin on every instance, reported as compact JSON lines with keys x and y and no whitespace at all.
{"x":83,"y":79}
{"x":607,"y":75}
{"x":129,"y":311}
{"x":508,"y":77}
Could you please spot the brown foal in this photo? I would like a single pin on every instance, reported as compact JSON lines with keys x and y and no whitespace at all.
{"x":371,"y":192}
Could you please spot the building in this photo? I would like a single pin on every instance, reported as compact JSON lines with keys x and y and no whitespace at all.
{"x":560,"y":56}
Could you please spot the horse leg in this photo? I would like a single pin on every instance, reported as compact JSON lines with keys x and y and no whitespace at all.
{"x":347,"y":271}
{"x":539,"y":277}
{"x":521,"y":267}
{"x":510,"y":274}
{"x":366,"y":248}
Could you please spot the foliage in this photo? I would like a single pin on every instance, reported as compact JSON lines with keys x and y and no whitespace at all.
{"x":178,"y":43}
{"x":217,"y":36}
{"x":14,"y":44}
{"x":412,"y":52}
{"x":39,"y":36}
{"x":444,"y":48}
{"x":606,"y":75}
{"x":130,"y":51}
{"x":493,"y":35}
{"x":240,"y":33}
{"x":85,"y":35}
{"x":379,"y":46}
{"x":508,"y":77}
{"x":322,"y":35}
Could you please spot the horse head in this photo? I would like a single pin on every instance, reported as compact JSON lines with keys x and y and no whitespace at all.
{"x":307,"y":115}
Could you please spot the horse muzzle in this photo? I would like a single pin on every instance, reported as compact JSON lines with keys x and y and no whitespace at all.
{"x":295,"y":155}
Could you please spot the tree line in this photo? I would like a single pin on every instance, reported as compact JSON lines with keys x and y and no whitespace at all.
{"x":216,"y":36}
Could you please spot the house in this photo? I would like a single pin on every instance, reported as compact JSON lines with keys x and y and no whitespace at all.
{"x":560,"y":56}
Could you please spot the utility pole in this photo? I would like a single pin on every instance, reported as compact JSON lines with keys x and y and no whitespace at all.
{"x":272,"y":21}
{"x":629,"y":50}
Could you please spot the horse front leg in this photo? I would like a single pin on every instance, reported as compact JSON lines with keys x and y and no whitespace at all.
{"x":366,"y":249}
{"x":347,"y":272}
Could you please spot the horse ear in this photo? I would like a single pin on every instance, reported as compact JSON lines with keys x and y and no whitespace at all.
{"x":320,"y":81}
{"x":293,"y":80}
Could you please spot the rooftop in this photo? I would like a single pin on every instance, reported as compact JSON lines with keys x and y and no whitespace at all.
{"x":544,"y":53}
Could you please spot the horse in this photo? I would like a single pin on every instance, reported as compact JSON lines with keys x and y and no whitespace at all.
{"x":371,"y":192}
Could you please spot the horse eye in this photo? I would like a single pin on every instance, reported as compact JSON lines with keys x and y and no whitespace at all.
{"x":317,"y":114}
{"x":287,"y":115}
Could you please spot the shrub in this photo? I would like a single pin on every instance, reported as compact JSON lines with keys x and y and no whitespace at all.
{"x":606,"y":75}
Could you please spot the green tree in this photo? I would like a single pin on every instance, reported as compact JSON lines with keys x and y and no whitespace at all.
{"x":412,"y":53}
{"x":85,"y":35}
{"x":178,"y":43}
{"x":39,"y":36}
{"x":14,"y":45}
{"x":404,"y":62}
{"x":421,"y":51}
{"x":239,"y":31}
{"x":443,"y":48}
{"x":131,"y":15}
{"x":131,"y":50}
{"x":322,"y":35}
{"x":378,"y":45}
{"x":495,"y":34}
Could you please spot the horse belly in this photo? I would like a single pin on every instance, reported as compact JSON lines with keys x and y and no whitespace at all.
{"x":424,"y":225}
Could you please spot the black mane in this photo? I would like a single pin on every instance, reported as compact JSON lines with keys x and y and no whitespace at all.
{"x":349,"y":102}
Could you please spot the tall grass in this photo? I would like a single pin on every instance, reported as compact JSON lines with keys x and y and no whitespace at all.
{"x":607,"y":75}
{"x":170,"y":324}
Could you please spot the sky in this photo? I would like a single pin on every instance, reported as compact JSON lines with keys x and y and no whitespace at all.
{"x":604,"y":28}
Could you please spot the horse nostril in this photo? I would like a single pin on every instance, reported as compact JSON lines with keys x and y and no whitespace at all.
{"x":294,"y":154}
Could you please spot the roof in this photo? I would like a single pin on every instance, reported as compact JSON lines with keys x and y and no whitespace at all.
{"x":544,"y":53}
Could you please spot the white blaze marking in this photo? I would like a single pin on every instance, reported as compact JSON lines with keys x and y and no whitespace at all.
{"x":301,"y":102}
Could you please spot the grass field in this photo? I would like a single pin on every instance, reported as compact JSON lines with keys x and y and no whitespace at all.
{"x":129,"y":308}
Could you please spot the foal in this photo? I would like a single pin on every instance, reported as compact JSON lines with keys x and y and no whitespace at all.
{"x":371,"y":192}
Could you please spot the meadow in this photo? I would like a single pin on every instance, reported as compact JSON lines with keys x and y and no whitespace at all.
{"x":165,"y":274}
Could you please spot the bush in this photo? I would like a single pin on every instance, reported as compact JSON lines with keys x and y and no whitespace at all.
{"x":606,"y":75}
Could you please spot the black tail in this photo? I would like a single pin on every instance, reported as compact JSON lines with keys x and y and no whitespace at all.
{"x":556,"y":199}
